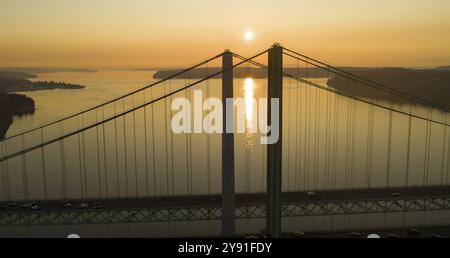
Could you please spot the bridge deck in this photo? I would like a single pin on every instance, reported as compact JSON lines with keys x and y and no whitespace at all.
{"x":242,"y":200}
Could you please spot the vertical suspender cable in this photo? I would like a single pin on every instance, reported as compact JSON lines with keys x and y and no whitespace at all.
{"x":187,"y":93}
{"x":165,"y":140}
{"x":307,"y":135}
{"x":83,"y":137}
{"x":289,"y":135}
{"x":146,"y":147}
{"x":208,"y":139}
{"x":316,"y":134}
{"x":153,"y":144}
{"x":190,"y":157}
{"x":389,"y":150}
{"x":444,"y":144}
{"x":2,"y":166}
{"x":354,"y":116}
{"x":116,"y":141}
{"x":369,"y":155}
{"x":297,"y":134}
{"x":97,"y":128}
{"x":448,"y":155}
{"x":335,"y":139}
{"x":171,"y":143}
{"x":427,"y":149}
{"x":80,"y":161}
{"x":24,"y":171}
{"x":63,"y":162}
{"x":347,"y":144}
{"x":5,"y":173}
{"x":408,"y":154}
{"x":44,"y":173}
{"x":105,"y":166}
{"x":125,"y":148}
{"x":135,"y":149}
{"x":327,"y":137}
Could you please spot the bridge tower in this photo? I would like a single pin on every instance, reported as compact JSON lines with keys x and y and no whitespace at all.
{"x":274,"y":151}
{"x":228,"y":189}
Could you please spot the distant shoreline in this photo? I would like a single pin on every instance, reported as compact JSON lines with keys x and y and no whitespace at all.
{"x":238,"y":72}
{"x":9,"y":85}
{"x":432,"y":85}
{"x":261,"y":73}
{"x":39,"y":70}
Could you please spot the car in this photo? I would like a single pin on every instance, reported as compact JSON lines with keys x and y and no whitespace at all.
{"x":299,"y":234}
{"x":66,"y":204}
{"x":395,"y":195}
{"x":311,"y":194}
{"x":413,"y":231}
{"x":83,"y":205}
{"x":98,"y":205}
{"x":12,"y":204}
{"x":35,"y":208}
{"x":27,"y":205}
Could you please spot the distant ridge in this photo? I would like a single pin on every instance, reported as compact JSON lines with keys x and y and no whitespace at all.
{"x":239,"y":72}
{"x":443,"y":67}
{"x":16,"y":75}
{"x":429,"y":84}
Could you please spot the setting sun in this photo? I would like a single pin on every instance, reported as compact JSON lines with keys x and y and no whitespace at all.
{"x":248,"y":35}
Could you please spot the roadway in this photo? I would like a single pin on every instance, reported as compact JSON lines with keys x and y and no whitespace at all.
{"x":214,"y":201}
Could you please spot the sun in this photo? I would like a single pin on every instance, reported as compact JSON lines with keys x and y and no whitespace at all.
{"x":248,"y":35}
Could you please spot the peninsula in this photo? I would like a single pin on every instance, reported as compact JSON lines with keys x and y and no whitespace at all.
{"x":17,"y":85}
{"x":12,"y":104}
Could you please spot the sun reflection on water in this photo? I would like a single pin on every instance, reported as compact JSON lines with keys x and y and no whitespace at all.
{"x":249,"y":110}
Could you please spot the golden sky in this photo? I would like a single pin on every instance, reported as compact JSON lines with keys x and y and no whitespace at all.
{"x":156,"y":33}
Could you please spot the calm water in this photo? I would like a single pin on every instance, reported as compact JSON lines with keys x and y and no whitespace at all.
{"x":325,"y":142}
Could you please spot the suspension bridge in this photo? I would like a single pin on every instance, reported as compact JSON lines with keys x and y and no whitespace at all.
{"x":340,"y":152}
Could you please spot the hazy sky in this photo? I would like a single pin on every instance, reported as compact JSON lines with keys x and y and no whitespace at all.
{"x":139,"y":33}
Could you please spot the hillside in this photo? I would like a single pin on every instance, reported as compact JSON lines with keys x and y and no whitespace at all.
{"x":16,"y":75}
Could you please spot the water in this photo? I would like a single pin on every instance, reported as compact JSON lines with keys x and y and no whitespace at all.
{"x":326,"y":139}
{"x":100,"y":87}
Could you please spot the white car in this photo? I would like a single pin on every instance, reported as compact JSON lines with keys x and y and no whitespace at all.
{"x":35,"y":208}
{"x":311,"y":194}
